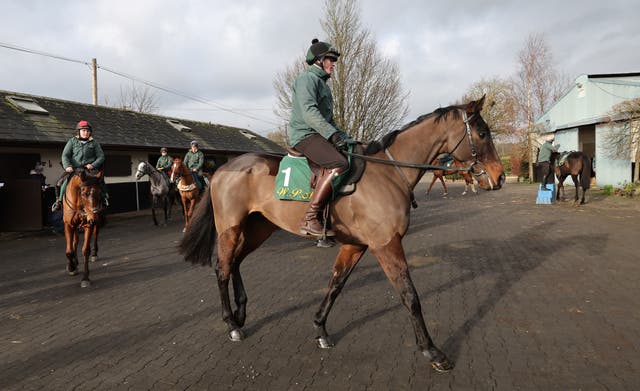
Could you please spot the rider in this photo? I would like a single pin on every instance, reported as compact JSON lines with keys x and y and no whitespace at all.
{"x":81,"y":150}
{"x":544,"y":156}
{"x":164,"y":162}
{"x":312,"y":130}
{"x":194,"y":160}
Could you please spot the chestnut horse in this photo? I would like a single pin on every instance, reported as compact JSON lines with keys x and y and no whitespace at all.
{"x":578,"y":165}
{"x":375,"y":216}
{"x":439,"y":174}
{"x":82,"y":209}
{"x":189,"y":191}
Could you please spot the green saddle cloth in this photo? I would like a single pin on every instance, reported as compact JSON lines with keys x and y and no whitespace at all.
{"x":293,"y":181}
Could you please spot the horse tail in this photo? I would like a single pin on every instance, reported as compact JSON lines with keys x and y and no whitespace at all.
{"x":198,"y":241}
{"x":587,"y":173}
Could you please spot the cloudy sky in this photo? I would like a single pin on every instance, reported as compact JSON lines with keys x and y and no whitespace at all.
{"x":227,"y":53}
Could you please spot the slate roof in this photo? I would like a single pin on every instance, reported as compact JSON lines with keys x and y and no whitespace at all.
{"x":117,"y":128}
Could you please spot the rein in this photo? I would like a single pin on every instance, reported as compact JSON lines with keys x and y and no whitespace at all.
{"x":423,"y":167}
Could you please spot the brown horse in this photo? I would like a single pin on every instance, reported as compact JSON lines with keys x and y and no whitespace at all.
{"x":578,"y":165}
{"x":82,"y":209}
{"x":439,"y":174}
{"x":189,"y":191}
{"x":375,"y":217}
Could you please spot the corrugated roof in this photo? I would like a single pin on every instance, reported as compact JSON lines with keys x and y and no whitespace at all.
{"x":119,"y":128}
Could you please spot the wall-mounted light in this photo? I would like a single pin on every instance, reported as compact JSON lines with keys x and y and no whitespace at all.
{"x":579,"y":85}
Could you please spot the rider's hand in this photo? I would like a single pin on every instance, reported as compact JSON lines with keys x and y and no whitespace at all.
{"x":89,"y":166}
{"x":341,"y":139}
{"x":69,"y":169}
{"x":194,"y":170}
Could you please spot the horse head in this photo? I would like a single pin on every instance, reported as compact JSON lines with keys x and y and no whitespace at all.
{"x":471,"y":143}
{"x":89,"y":201}
{"x":142,"y":170}
{"x":178,"y":170}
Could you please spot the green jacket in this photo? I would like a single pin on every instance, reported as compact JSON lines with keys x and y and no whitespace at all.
{"x":164,"y":162}
{"x":78,"y":153}
{"x":194,"y":159}
{"x":311,"y":106}
{"x":544,"y":155}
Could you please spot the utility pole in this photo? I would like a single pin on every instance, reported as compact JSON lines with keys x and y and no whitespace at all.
{"x":94,"y":71}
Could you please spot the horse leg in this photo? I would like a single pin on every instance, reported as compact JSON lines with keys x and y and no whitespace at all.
{"x":257,"y":230}
{"x":347,"y":259}
{"x":227,"y":245}
{"x":433,"y":180}
{"x":392,"y":259}
{"x":153,"y":213}
{"x":86,"y":251}
{"x":71,"y":236}
{"x":575,"y":182}
{"x":444,"y":185}
{"x":94,"y":247}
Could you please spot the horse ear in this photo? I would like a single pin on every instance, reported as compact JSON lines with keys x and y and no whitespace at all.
{"x":476,"y":105}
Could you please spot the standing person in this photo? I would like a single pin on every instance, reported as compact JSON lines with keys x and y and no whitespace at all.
{"x":544,"y":157}
{"x":82,"y":150}
{"x":37,"y":175}
{"x":164,"y":162}
{"x":194,"y":160}
{"x":313,"y":131}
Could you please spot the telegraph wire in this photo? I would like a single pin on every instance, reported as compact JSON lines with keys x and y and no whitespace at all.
{"x":146,"y":82}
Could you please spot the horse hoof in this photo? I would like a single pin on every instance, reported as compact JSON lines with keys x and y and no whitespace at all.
{"x":184,"y":230}
{"x":85,"y":284}
{"x":93,"y":258}
{"x":324,"y":343}
{"x":464,"y":193}
{"x":442,"y":366}
{"x":72,"y":272}
{"x":236,"y":335}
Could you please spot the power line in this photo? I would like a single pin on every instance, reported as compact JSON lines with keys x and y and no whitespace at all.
{"x":146,"y":82}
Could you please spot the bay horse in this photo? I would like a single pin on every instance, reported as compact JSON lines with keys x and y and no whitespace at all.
{"x":82,"y":209}
{"x":375,"y":216}
{"x":163,"y":192}
{"x":189,"y":191}
{"x":578,"y":166}
{"x":439,"y":174}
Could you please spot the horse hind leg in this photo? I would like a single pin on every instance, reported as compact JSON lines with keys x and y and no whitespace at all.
{"x":233,"y":246}
{"x":347,"y":259}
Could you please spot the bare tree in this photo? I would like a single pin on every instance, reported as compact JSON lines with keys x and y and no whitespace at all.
{"x":500,"y":113}
{"x":623,"y":140}
{"x":368,"y":97}
{"x":136,"y":99}
{"x":537,"y":86}
{"x":279,"y":136}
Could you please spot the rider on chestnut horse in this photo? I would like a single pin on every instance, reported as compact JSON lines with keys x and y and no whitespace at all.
{"x":81,"y":150}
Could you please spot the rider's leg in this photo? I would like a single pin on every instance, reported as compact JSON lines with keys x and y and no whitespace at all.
{"x":317,"y":149}
{"x":61,"y":185}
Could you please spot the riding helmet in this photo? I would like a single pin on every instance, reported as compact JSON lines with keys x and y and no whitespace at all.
{"x":318,"y":50}
{"x":84,"y":125}
{"x":194,"y":142}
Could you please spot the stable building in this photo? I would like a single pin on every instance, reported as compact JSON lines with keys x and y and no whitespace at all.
{"x":581,"y":121}
{"x":35,"y":129}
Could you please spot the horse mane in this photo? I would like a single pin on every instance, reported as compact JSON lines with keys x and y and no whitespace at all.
{"x":388,"y":139}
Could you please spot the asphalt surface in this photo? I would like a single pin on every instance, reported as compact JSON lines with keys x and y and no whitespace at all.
{"x":520,"y":296}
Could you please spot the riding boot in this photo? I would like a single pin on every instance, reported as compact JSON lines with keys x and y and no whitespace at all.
{"x":311,"y":224}
{"x":56,"y":205}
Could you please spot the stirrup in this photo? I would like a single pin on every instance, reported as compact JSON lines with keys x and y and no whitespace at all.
{"x":56,"y":206}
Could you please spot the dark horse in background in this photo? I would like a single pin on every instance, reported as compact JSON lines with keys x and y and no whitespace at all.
{"x":375,"y":216}
{"x":577,"y":165}
{"x":163,"y":192}
{"x":82,"y":211}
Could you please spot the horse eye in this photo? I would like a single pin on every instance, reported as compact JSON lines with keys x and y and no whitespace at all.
{"x":482,"y":133}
